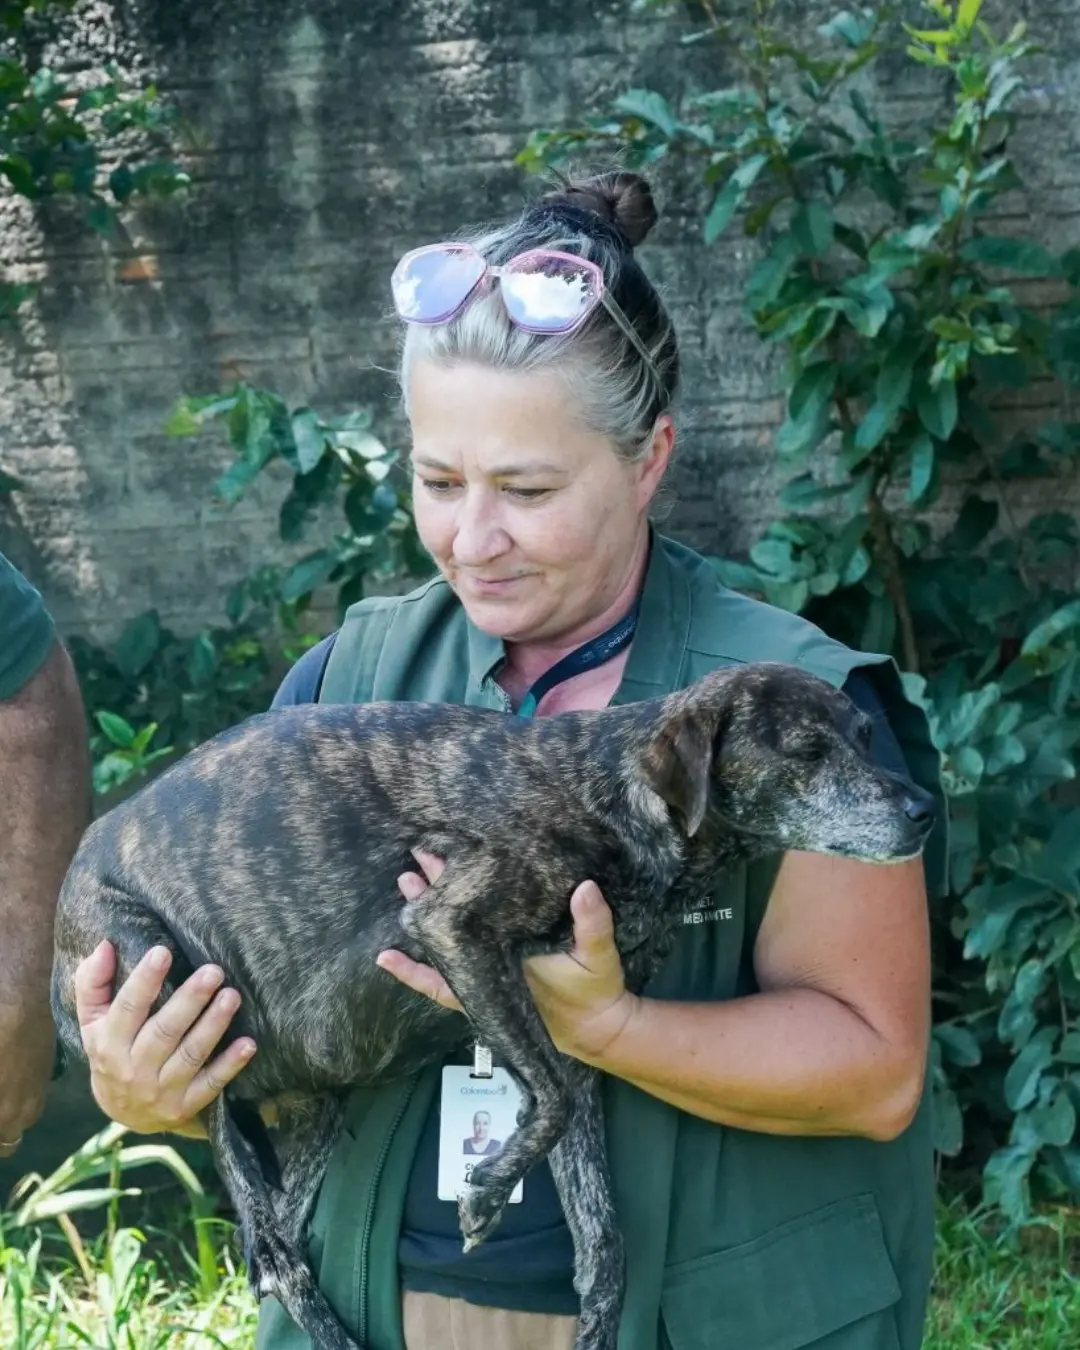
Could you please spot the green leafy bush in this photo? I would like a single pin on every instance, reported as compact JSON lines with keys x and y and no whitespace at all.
{"x":153,"y":693}
{"x":94,"y":138}
{"x":903,"y":308}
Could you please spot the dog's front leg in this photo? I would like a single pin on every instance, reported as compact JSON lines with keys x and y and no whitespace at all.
{"x":490,"y":984}
{"x":579,"y":1166}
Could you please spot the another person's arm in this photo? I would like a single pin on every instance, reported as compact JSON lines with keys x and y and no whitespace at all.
{"x":45,"y":806}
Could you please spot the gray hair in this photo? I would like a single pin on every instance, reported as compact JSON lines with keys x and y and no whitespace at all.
{"x":613,"y":389}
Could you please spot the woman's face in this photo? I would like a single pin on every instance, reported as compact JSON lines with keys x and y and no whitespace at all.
{"x":531,"y":517}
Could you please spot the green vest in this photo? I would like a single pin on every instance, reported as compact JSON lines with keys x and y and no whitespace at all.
{"x":734,"y":1240}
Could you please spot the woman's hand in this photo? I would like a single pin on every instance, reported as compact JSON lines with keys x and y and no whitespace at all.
{"x":580,"y":994}
{"x":151,"y":1073}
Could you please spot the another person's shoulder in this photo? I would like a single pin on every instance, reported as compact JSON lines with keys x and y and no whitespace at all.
{"x":27,"y":631}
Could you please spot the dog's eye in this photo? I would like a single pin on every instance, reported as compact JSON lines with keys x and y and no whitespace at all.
{"x":812,"y":752}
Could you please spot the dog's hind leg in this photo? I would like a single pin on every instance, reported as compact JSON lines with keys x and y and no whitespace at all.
{"x":579,"y":1166}
{"x":275,"y":1265}
{"x":491,"y":987}
{"x":306,"y":1134}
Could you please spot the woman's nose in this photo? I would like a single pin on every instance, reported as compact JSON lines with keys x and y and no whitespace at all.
{"x":478,"y":535}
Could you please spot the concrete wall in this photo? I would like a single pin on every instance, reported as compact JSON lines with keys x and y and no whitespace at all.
{"x":333,"y":134}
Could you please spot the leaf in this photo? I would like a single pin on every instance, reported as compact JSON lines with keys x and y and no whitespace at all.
{"x":231,"y":484}
{"x":1061,"y":621}
{"x":307,"y":574}
{"x":648,"y":106}
{"x":846,"y":26}
{"x":182,"y":421}
{"x":948,"y":1121}
{"x":894,"y":377}
{"x":813,"y":227}
{"x":310,"y":441}
{"x":72,"y":1202}
{"x":1054,"y":1123}
{"x":8,"y":483}
{"x":874,"y":427}
{"x":1005,"y":1180}
{"x":968,"y":13}
{"x":937,"y":408}
{"x":203,"y":661}
{"x":806,"y":491}
{"x":1022,"y":1080}
{"x":119,"y":731}
{"x":772,"y":556}
{"x":1018,"y":1018}
{"x":369,"y":511}
{"x":958,"y":1045}
{"x":1013,"y":255}
{"x":922,"y":466}
{"x":731,"y":195}
{"x":138,"y":644}
{"x":360,"y":442}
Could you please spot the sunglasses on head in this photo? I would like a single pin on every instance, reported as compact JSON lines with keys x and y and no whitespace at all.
{"x":544,"y":291}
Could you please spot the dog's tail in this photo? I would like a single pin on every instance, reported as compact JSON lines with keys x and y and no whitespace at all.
{"x":274,"y":1265}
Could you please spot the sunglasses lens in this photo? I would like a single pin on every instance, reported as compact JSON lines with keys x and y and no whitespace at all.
{"x":430,"y":285}
{"x":549,"y":295}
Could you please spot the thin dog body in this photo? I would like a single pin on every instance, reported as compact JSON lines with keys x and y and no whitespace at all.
{"x":273,"y":851}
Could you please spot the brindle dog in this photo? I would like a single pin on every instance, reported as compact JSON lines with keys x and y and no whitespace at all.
{"x":273,"y":851}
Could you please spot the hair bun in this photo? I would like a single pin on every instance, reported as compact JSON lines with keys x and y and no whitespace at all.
{"x":621,"y":198}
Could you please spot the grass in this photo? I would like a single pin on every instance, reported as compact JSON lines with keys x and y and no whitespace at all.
{"x":180,"y":1286}
{"x":993,"y":1294}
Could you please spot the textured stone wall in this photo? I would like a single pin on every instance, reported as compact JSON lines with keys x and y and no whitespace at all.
{"x":331,"y":135}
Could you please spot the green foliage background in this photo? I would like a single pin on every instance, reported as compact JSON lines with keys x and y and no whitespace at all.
{"x":896,"y":307}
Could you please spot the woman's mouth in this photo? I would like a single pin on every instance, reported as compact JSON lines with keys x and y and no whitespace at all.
{"x":493,"y":585}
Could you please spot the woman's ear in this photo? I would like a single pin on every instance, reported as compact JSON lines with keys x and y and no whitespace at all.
{"x":654,"y":465}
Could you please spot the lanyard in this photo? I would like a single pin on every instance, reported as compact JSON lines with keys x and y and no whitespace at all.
{"x":587,"y":657}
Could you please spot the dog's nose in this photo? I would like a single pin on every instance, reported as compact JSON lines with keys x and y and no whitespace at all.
{"x":919,"y":810}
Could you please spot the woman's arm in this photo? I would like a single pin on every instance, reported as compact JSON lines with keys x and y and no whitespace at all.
{"x":835,"y":1044}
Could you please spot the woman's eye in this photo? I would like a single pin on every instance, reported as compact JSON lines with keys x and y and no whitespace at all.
{"x":438,"y":486}
{"x":528,"y":494}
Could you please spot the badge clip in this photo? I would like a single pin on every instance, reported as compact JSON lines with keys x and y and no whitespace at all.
{"x":481,"y":1061}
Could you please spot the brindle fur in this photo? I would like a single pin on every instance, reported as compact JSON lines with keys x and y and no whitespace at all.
{"x":273,"y":851}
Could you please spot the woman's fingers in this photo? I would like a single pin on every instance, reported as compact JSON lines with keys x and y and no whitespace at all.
{"x":411,"y":886}
{"x":135,"y":997}
{"x":191,"y":1050}
{"x":93,"y":985}
{"x":209,"y":1081}
{"x":422,"y":979}
{"x":161,"y":1034}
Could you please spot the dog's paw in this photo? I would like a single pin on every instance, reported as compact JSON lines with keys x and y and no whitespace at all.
{"x":479,"y":1212}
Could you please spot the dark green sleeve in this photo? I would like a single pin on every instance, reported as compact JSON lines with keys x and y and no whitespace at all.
{"x":26,"y":630}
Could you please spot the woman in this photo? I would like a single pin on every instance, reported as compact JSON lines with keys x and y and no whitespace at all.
{"x":767,"y":1125}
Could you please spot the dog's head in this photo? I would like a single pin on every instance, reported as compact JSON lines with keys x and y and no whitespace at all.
{"x":782,"y":758}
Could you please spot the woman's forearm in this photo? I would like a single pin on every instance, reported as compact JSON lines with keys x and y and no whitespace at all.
{"x":794,"y":1061}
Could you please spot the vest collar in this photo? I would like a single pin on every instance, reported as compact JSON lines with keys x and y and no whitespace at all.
{"x":655,"y":663}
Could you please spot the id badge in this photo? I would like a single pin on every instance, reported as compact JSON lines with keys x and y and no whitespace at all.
{"x":478,"y":1115}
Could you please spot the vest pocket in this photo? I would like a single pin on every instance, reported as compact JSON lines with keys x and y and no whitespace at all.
{"x":823,"y":1280}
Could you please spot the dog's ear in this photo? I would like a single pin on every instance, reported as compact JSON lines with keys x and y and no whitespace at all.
{"x":678,"y":764}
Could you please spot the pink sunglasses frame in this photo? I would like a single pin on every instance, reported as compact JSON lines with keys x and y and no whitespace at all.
{"x":598,"y":293}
